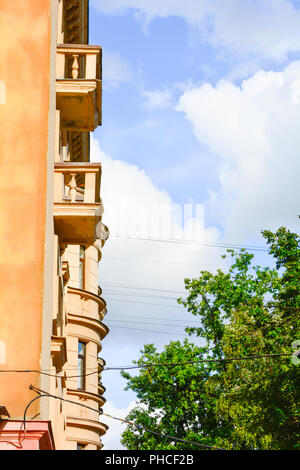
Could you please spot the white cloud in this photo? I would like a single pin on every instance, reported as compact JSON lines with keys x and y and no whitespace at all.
{"x":129,"y":198}
{"x":254,"y":130}
{"x":267,"y":28}
{"x":135,"y":207}
{"x":157,"y":99}
{"x":111,"y":440}
{"x":115,"y":69}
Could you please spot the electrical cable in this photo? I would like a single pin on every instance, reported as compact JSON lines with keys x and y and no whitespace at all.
{"x":39,"y":391}
{"x":135,"y":317}
{"x":142,"y":303}
{"x":41,"y":372}
{"x":130,"y":294}
{"x":26,"y":408}
{"x":191,"y":242}
{"x":151,"y":365}
{"x":117,"y":291}
{"x":267,"y":303}
{"x":153,"y":289}
{"x":179,"y":307}
{"x":148,"y":323}
{"x":142,"y":288}
{"x":166,"y":436}
{"x":42,"y":393}
{"x":170,"y":364}
{"x":150,"y":331}
{"x":162,"y":261}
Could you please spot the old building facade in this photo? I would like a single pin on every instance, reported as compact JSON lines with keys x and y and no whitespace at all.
{"x":51,"y":230}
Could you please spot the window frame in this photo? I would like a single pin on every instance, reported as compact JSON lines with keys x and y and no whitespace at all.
{"x":82,"y":259}
{"x":81,"y":366}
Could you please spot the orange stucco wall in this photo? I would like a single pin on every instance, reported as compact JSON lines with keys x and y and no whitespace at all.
{"x":25,"y":33}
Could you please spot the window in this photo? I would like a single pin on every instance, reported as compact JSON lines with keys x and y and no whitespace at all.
{"x":81,"y":365}
{"x":81,"y":267}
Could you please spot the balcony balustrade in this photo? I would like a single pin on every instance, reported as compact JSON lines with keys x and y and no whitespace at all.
{"x":79,"y":86}
{"x":77,"y":204}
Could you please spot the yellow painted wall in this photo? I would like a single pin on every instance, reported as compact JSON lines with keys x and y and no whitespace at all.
{"x":25,"y":38}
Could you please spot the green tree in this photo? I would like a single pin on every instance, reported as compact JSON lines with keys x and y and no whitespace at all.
{"x":173,"y":400}
{"x":246,"y":404}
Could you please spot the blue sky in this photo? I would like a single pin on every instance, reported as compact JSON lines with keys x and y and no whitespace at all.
{"x":201,"y":104}
{"x":132,"y":133}
{"x":166,"y":56}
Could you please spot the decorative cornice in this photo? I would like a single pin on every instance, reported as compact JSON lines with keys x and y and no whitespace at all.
{"x":101,"y":363}
{"x":90,"y":49}
{"x":84,"y":209}
{"x":87,"y":295}
{"x":101,"y":428}
{"x":102,"y":390}
{"x":71,"y":86}
{"x":87,"y":396}
{"x":86,"y":441}
{"x":40,"y":431}
{"x":90,"y":323}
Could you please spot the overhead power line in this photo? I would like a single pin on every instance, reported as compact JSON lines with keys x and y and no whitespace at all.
{"x":185,"y":261}
{"x":142,"y":303}
{"x":42,"y":394}
{"x":140,"y":366}
{"x":267,"y":303}
{"x":176,"y":306}
{"x":39,"y":391}
{"x":109,"y":294}
{"x":150,"y":331}
{"x":192,"y":242}
{"x":122,"y":286}
{"x":171,"y":364}
{"x":43,"y":372}
{"x":139,"y":295}
{"x":134,"y":317}
{"x":116,"y":290}
{"x":164,"y":436}
{"x":147,"y":323}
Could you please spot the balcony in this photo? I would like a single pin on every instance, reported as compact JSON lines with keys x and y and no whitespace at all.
{"x":86,"y":303}
{"x":77,"y":204}
{"x":79,"y":86}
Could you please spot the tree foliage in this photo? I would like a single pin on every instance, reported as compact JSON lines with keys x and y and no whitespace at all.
{"x":246,"y":404}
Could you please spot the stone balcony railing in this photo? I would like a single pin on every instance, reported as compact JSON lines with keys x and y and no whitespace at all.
{"x":78,"y":86}
{"x":75,"y":61}
{"x":77,"y":204}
